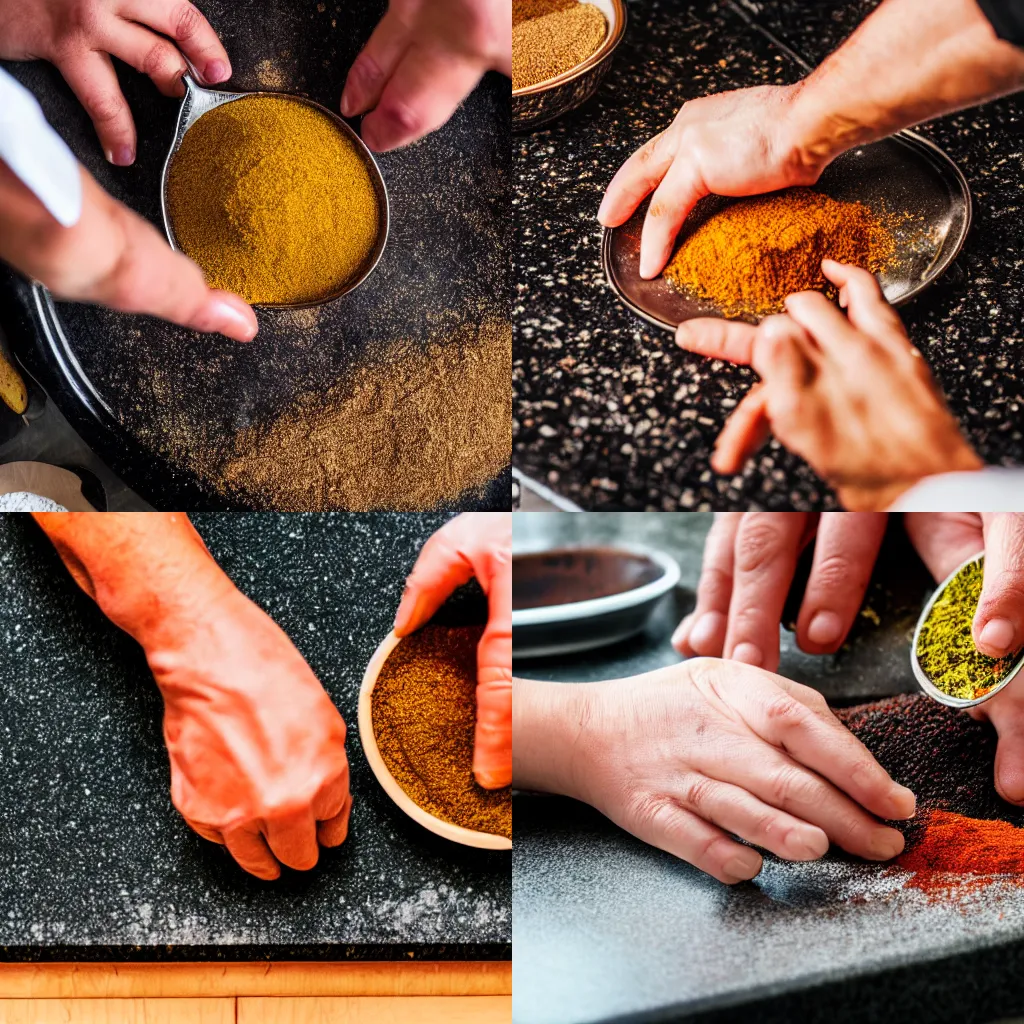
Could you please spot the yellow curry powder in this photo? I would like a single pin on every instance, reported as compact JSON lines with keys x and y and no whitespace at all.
{"x":272,"y":200}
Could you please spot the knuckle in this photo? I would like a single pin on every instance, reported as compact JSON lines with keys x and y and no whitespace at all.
{"x":698,"y":793}
{"x":403,"y":116}
{"x":81,"y":20}
{"x":104,"y":107}
{"x":834,"y":572}
{"x":759,"y":542}
{"x":793,"y":787}
{"x":783,"y":711}
{"x":160,"y":57}
{"x":186,"y":21}
{"x":651,"y":812}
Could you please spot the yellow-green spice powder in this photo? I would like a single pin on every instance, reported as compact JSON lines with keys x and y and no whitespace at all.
{"x":945,"y":643}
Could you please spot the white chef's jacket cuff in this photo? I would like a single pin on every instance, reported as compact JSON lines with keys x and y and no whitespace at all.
{"x":993,"y":489}
{"x":37,"y":154}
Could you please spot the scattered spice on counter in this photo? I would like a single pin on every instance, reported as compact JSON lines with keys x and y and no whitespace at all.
{"x":272,"y":200}
{"x":945,"y":644}
{"x":407,"y":431}
{"x":550,"y":37}
{"x":747,"y":257}
{"x":424,"y":714}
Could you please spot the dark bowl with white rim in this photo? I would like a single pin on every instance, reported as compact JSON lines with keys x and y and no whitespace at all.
{"x":566,"y":600}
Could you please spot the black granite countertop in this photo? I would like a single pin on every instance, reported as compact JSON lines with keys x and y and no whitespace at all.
{"x":94,"y":861}
{"x":610,"y":929}
{"x":608,"y":412}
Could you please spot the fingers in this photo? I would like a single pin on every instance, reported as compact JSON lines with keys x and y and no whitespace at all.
{"x":334,"y":831}
{"x":1006,"y":713}
{"x":492,"y":744}
{"x":999,"y":620}
{"x":149,"y":277}
{"x":731,"y":340}
{"x":682,"y":833}
{"x":250,"y":849}
{"x":636,"y":179}
{"x":844,"y":556}
{"x":743,"y":434}
{"x":785,"y":355}
{"x":703,"y":631}
{"x":671,"y":203}
{"x":817,"y":740}
{"x":861,"y":296}
{"x":767,"y":547}
{"x":185,"y":24}
{"x":148,"y":53}
{"x":91,"y":76}
{"x":825,"y":322}
{"x":742,"y":814}
{"x":375,"y":65}
{"x":420,"y":96}
{"x":945,"y":539}
{"x":292,"y":839}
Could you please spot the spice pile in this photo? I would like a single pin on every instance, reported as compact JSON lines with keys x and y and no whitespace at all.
{"x":424,"y":714}
{"x":945,"y":644}
{"x":272,"y":200}
{"x":746,"y":258}
{"x":550,"y":37}
{"x":407,"y":431}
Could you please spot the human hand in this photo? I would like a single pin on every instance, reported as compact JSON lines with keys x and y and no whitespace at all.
{"x":738,"y":143}
{"x":421,"y":62}
{"x":944,"y":540}
{"x":257,"y":748}
{"x":850,"y":394}
{"x":474,"y":544}
{"x":691,"y":755}
{"x":112,"y":257}
{"x":80,"y":37}
{"x":750,"y":559}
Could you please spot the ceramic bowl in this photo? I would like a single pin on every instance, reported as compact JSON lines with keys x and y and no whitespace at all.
{"x":566,"y":600}
{"x":541,"y":103}
{"x":456,"y":833}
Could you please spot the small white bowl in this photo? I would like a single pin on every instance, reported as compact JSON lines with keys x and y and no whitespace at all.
{"x":456,"y":833}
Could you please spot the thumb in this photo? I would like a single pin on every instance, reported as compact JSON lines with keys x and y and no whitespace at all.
{"x":492,"y":746}
{"x":1006,"y":713}
{"x":999,"y":620}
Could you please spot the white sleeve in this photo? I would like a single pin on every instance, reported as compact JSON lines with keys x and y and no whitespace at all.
{"x":37,"y":154}
{"x":993,"y":489}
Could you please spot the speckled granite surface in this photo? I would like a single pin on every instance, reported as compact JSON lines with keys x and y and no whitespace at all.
{"x":96,"y":864}
{"x":608,"y":412}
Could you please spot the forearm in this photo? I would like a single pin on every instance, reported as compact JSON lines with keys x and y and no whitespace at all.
{"x":149,"y":572}
{"x":547,"y":720}
{"x":909,"y":61}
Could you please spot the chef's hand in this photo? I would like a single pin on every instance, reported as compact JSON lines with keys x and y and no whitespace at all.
{"x":733,"y":144}
{"x":848,"y":393}
{"x":474,"y":544}
{"x":421,"y":62}
{"x":944,"y":540}
{"x":687,"y":757}
{"x":114,"y":258}
{"x":749,"y":562}
{"x":257,"y":748}
{"x":80,"y":37}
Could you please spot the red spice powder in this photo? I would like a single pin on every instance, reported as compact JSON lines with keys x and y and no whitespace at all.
{"x":953,"y":851}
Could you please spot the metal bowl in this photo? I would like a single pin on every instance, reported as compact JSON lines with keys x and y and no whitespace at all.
{"x":922,"y":677}
{"x":544,"y":102}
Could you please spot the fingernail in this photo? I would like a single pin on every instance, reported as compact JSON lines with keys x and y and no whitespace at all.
{"x":743,"y":864}
{"x":680,"y":630}
{"x":406,"y":613}
{"x":825,"y":629}
{"x":997,"y":637}
{"x":748,"y":653}
{"x":217,"y":71}
{"x":348,"y":104}
{"x":806,"y":844}
{"x":231,"y":322}
{"x":122,"y":156}
{"x":886,"y":844}
{"x":706,"y":630}
{"x":683,"y":334}
{"x":902,"y":803}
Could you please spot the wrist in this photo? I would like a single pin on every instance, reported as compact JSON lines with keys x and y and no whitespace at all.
{"x":548,"y":723}
{"x":814,"y":132}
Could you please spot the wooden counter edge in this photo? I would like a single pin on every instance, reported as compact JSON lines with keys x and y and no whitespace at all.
{"x":211,"y":979}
